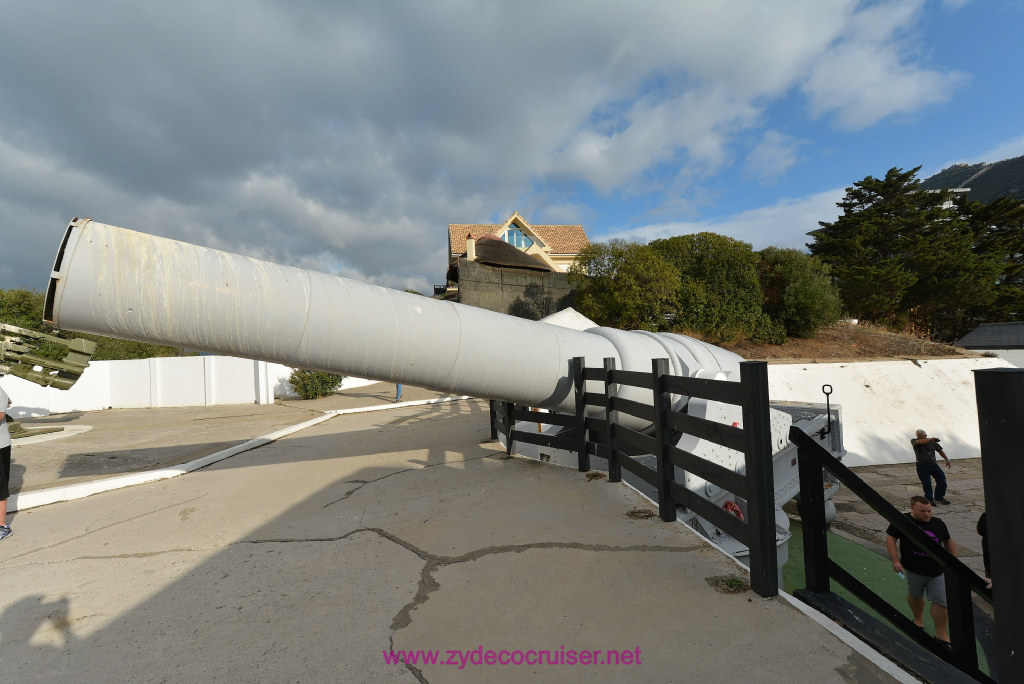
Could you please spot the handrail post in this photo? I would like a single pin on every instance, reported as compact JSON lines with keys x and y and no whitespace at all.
{"x":510,"y":425}
{"x":494,"y":418}
{"x":580,"y":385}
{"x":666,"y":471}
{"x":764,"y":570}
{"x":812,"y":520}
{"x":961,"y":620}
{"x":614,"y":466}
{"x":1000,"y":395}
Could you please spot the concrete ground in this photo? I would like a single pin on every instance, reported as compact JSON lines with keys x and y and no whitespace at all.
{"x":406,"y":529}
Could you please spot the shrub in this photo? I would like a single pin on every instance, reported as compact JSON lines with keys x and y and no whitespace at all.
{"x":798,"y":290}
{"x":310,"y":384}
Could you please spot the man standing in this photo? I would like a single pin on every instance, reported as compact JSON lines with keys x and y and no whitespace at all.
{"x":5,"y":465}
{"x":924,"y":450}
{"x":924,"y":574}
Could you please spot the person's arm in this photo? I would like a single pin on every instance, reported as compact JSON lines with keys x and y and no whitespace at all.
{"x":950,"y":545}
{"x":944,"y":457}
{"x":890,"y":545}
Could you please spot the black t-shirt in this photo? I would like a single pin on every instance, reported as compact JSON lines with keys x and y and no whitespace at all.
{"x":911,"y":557}
{"x":925,"y":453}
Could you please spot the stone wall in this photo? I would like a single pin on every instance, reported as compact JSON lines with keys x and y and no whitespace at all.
{"x":516,"y":291}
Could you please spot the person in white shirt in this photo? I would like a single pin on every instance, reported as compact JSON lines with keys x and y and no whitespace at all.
{"x":5,"y":465}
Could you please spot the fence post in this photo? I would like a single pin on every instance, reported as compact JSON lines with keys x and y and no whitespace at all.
{"x":961,"y":621}
{"x":614,"y":467}
{"x":812,"y":520}
{"x":666,"y":471}
{"x":494,"y":417}
{"x":510,"y":425}
{"x":1000,"y":395}
{"x":580,"y":386}
{"x":764,"y":571}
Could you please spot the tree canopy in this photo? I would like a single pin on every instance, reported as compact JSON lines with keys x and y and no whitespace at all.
{"x":706,"y":285}
{"x":625,"y":285}
{"x":798,"y":291}
{"x":719,"y":294}
{"x":905,"y":256}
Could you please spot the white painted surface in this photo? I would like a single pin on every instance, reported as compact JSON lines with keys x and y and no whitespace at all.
{"x":884,"y":402}
{"x":160,"y":382}
{"x":1014,"y":356}
{"x":150,"y":383}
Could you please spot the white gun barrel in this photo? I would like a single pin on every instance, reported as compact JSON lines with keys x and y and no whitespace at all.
{"x":121,"y":283}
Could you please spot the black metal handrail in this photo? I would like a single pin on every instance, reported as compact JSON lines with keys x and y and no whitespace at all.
{"x":819,"y":568}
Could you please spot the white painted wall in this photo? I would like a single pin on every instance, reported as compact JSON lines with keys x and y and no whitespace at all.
{"x":159,"y":382}
{"x":884,"y":402}
{"x":149,"y":383}
{"x":1014,"y":356}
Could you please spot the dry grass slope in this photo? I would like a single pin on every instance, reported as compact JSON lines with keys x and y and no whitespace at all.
{"x":849,"y":342}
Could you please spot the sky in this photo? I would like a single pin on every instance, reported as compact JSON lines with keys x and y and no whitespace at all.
{"x":344,"y":137}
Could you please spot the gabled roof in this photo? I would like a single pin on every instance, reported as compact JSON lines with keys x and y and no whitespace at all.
{"x":994,"y":336}
{"x":561,"y":239}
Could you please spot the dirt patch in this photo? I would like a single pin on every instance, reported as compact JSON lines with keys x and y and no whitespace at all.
{"x":849,"y":342}
{"x":729,"y":584}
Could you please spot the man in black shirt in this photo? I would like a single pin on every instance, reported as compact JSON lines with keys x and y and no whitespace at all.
{"x":924,"y":574}
{"x":927,"y":468}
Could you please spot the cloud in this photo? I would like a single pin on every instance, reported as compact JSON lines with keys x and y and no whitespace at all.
{"x":346,"y":136}
{"x":784,"y":224}
{"x":869,"y":74}
{"x":772,"y":156}
{"x":1008,"y":149}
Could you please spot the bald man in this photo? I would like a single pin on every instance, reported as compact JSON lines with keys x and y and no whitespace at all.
{"x":925,"y":448}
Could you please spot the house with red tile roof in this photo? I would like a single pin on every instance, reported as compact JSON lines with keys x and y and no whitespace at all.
{"x":557,"y":246}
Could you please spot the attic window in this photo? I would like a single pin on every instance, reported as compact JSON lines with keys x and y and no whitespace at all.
{"x":517,"y":238}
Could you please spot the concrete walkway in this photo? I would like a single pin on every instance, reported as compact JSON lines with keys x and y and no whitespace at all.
{"x":307,"y":558}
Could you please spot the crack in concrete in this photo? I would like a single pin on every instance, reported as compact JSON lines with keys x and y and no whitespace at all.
{"x":363,"y":483}
{"x":433,"y":562}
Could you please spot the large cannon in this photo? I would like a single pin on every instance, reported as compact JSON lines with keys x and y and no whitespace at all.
{"x":126,"y":284}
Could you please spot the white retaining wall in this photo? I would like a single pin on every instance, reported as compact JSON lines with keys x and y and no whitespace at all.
{"x":159,"y":382}
{"x":149,"y":383}
{"x":884,"y":402}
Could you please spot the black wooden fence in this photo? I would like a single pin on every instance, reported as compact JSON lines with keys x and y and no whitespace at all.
{"x":590,"y":432}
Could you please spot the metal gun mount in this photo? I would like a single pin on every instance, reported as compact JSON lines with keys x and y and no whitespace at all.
{"x":117,"y":282}
{"x":19,"y":356}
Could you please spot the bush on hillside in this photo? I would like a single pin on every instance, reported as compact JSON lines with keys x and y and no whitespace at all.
{"x":798,"y":291}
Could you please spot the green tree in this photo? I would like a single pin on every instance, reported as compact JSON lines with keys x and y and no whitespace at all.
{"x":624,"y":285}
{"x":798,"y":291}
{"x":719,"y":293}
{"x":900,"y":255}
{"x":998,"y":228}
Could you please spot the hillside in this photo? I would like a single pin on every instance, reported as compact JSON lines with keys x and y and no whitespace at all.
{"x":849,"y":342}
{"x":986,"y":181}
